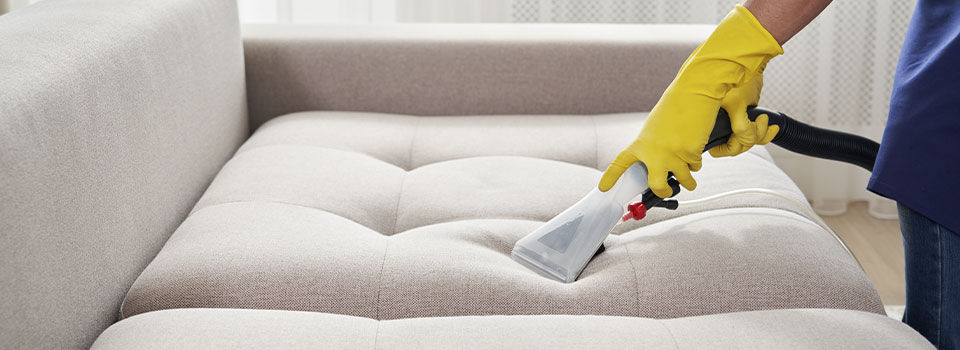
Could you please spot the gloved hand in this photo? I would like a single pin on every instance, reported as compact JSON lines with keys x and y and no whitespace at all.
{"x":745,"y":132}
{"x":676,"y":130}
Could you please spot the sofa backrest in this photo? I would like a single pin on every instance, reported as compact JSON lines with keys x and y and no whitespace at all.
{"x":462,"y":69}
{"x":114,"y":117}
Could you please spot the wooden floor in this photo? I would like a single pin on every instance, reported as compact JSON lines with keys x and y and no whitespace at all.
{"x":877,"y":245}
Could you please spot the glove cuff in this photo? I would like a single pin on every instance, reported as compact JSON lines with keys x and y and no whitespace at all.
{"x":766,"y":45}
{"x":742,"y":39}
{"x":739,"y":45}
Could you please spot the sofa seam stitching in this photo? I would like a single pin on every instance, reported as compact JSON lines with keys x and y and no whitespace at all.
{"x":413,"y":139}
{"x":396,"y":209}
{"x":367,"y":155}
{"x":376,"y":335}
{"x":396,"y":219}
{"x":518,"y":218}
{"x":300,"y":145}
{"x":285,"y":203}
{"x":802,"y":217}
{"x":410,"y":167}
{"x":636,"y":278}
{"x":365,"y":226}
{"x":676,"y":345}
{"x":410,"y":156}
{"x":383,"y":264}
{"x":403,"y":181}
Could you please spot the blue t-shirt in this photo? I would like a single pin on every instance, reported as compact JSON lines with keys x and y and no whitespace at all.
{"x":919,"y":160}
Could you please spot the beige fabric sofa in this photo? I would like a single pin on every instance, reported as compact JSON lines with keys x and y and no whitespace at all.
{"x":390,"y":172}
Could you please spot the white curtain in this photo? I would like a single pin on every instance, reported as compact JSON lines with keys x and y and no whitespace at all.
{"x":374,"y":11}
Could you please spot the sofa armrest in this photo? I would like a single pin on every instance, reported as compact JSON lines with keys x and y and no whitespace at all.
{"x":114,"y":117}
{"x":460,"y":69}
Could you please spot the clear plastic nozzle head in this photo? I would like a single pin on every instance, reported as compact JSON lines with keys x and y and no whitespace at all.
{"x":561,"y":248}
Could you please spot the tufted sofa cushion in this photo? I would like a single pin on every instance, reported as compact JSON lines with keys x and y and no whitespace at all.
{"x":267,"y":329}
{"x":390,"y":216}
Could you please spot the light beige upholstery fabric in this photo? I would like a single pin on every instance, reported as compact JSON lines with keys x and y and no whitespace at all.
{"x":462,"y":69}
{"x":264,"y":329}
{"x":388,"y":216}
{"x":112,"y":123}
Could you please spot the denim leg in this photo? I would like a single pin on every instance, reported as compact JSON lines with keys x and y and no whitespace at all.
{"x":950,"y":306}
{"x":932,"y":256}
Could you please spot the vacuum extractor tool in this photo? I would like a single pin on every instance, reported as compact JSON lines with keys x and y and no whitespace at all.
{"x":562,"y":247}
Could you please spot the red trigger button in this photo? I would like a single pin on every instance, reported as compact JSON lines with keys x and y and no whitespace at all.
{"x":635,"y":211}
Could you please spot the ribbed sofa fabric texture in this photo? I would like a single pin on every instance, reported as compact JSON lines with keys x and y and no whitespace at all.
{"x":390,"y":216}
{"x":261,"y":329}
{"x":114,"y":117}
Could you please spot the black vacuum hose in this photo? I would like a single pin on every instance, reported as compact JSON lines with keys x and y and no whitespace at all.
{"x":805,"y":139}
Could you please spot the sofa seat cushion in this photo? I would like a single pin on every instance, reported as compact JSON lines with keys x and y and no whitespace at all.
{"x":267,"y":329}
{"x":389,"y":216}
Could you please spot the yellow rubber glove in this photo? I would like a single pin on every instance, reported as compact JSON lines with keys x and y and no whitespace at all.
{"x":676,"y":131}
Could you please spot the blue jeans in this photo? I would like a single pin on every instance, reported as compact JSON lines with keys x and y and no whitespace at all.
{"x":932,"y":255}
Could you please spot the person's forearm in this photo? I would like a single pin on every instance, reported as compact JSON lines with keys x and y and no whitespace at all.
{"x":785,"y":18}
